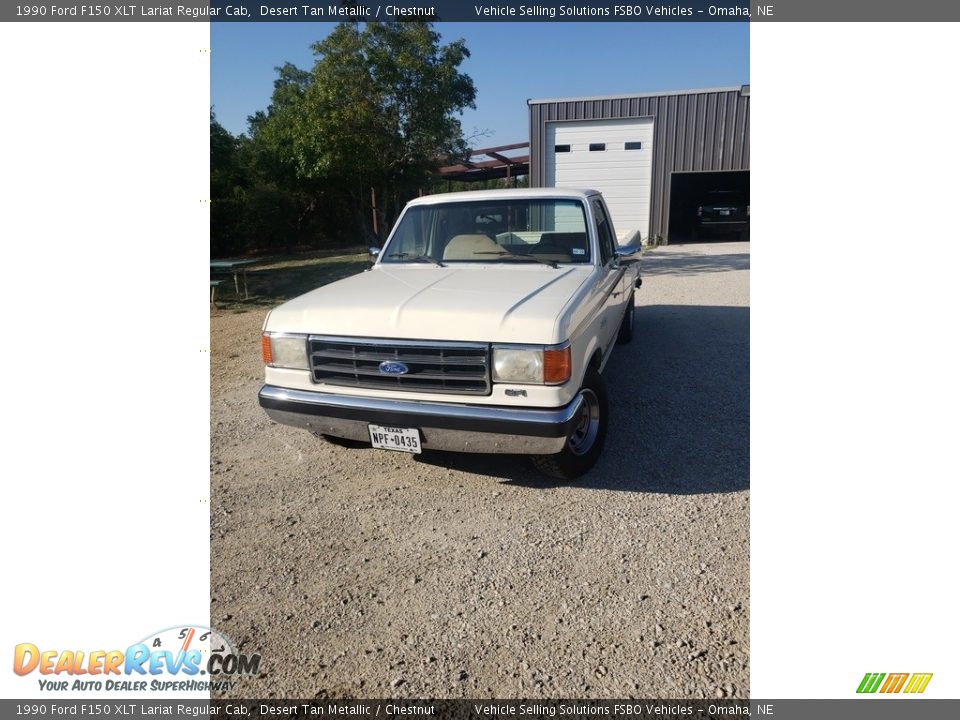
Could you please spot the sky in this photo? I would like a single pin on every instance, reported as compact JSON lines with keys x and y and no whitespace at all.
{"x":510,"y":63}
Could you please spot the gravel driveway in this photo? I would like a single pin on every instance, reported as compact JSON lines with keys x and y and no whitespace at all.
{"x":367,"y":573}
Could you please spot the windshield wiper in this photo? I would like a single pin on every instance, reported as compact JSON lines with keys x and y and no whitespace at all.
{"x":507,"y":255}
{"x":417,"y":258}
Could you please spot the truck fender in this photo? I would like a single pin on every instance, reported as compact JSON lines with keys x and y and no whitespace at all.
{"x":587,"y":358}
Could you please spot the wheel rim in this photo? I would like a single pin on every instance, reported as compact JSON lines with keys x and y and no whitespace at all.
{"x":584,"y":433}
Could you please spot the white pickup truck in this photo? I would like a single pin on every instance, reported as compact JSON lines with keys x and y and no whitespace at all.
{"x":483,"y":326}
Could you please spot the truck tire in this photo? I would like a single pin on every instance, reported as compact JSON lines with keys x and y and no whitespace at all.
{"x":625,"y":334}
{"x":585,"y":441}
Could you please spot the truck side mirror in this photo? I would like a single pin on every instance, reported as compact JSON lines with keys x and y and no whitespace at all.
{"x":374,"y":253}
{"x":628,"y":254}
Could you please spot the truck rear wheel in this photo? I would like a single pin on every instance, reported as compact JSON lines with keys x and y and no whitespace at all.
{"x":585,"y":441}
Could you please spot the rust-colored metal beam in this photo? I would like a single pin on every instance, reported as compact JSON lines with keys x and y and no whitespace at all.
{"x":500,"y":166}
{"x":504,"y":159}
{"x":499,"y":148}
{"x":485,"y":165}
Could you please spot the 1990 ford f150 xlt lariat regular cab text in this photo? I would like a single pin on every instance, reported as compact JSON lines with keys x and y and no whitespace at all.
{"x":483,"y":327}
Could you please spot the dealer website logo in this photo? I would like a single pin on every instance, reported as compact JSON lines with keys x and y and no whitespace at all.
{"x":894,"y":683}
{"x":182,"y":658}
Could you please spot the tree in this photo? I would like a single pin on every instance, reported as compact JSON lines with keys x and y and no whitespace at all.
{"x":378,"y":110}
{"x":226,"y":191}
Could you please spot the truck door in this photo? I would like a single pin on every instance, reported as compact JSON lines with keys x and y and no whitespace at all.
{"x":614,"y":275}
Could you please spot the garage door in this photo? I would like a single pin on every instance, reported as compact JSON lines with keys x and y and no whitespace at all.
{"x":612,"y":156}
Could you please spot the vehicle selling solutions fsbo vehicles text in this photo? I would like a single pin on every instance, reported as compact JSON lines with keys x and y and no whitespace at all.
{"x":582,"y":11}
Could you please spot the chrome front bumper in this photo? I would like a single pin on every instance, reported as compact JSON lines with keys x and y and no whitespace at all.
{"x":443,"y":426}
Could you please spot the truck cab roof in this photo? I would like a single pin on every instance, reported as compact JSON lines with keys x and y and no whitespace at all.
{"x":513,"y":193}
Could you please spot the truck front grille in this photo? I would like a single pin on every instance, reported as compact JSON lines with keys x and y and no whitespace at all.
{"x":441,"y":367}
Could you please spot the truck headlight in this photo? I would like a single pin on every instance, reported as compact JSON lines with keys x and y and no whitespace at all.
{"x":531,"y":365}
{"x":285,"y":351}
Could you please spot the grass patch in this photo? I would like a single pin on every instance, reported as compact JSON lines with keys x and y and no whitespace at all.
{"x":280,"y":278}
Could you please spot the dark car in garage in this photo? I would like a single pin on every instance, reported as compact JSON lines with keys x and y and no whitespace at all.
{"x":723,"y":213}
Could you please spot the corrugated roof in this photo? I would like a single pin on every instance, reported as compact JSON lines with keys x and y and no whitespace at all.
{"x":624,"y":96}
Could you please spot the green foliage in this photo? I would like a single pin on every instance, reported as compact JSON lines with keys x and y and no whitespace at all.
{"x":378,"y":111}
{"x":227,"y":189}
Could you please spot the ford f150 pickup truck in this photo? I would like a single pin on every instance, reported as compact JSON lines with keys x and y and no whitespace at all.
{"x":483,"y":326}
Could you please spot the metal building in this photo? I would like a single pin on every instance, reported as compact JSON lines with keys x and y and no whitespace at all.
{"x":653,"y":156}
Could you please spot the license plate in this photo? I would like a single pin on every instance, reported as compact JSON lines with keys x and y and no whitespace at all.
{"x":395,"y":438}
{"x":724,"y":212}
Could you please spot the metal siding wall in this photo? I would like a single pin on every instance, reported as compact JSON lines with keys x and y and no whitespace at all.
{"x":692,"y":132}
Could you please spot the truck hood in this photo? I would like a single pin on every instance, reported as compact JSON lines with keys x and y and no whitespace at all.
{"x":486,"y":303}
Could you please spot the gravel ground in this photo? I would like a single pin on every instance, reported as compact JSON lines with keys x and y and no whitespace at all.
{"x":366,"y":573}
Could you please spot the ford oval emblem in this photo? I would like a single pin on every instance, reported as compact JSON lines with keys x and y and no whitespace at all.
{"x":389,"y":367}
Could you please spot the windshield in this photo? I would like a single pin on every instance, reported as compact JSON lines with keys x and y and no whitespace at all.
{"x":502,"y":231}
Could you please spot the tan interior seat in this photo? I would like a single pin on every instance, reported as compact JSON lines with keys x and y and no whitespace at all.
{"x":471,"y":247}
